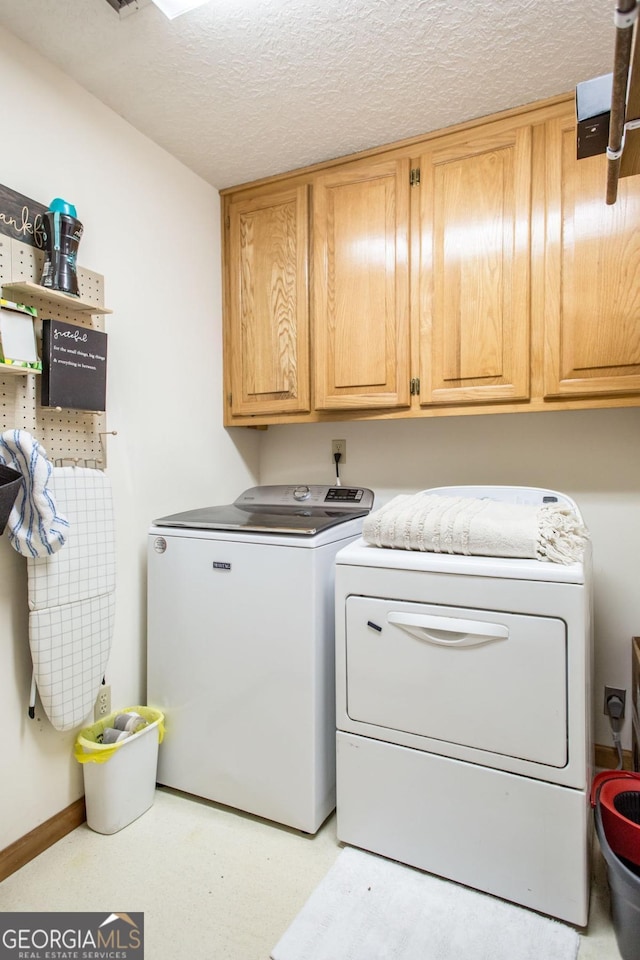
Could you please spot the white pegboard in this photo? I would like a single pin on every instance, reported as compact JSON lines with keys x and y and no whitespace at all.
{"x":68,"y":436}
{"x":26,"y":262}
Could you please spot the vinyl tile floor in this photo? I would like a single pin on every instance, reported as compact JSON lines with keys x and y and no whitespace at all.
{"x":213,"y":884}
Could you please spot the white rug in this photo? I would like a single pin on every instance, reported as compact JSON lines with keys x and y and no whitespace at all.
{"x":370,"y":908}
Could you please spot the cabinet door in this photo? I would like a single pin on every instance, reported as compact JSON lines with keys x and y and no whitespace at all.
{"x":268,"y":316}
{"x":474,"y":272}
{"x":592,"y":265}
{"x":361,"y":286}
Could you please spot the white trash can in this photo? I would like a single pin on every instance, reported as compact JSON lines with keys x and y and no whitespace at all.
{"x":119,"y":777}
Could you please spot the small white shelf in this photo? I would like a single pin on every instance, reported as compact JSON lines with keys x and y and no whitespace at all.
{"x":16,"y":370}
{"x":28,"y":289}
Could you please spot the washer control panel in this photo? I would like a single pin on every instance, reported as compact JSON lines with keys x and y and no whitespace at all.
{"x":312,"y":494}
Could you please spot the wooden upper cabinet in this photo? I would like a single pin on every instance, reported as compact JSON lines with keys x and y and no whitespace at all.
{"x":267,"y":337}
{"x":500,"y":280}
{"x":475,"y":217}
{"x":360,"y":291}
{"x":592,"y":266}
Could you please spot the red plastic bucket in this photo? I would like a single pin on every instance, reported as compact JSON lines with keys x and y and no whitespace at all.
{"x":619,"y":796}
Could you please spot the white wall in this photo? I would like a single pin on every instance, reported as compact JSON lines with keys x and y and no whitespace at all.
{"x":591,"y":455}
{"x":151,"y":227}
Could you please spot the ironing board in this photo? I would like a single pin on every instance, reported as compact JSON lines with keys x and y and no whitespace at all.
{"x":72,"y":599}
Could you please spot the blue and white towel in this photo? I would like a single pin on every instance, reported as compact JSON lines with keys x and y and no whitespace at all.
{"x":35,"y":528}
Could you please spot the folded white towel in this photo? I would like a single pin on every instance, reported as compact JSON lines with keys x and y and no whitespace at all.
{"x":35,"y":527}
{"x":477,"y":527}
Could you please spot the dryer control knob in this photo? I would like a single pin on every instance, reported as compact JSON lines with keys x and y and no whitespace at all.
{"x":301,"y":493}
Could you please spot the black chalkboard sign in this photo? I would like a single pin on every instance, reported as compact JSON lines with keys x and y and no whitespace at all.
{"x":22,"y":218}
{"x":74,"y":366}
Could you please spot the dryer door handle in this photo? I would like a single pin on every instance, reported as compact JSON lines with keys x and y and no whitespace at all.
{"x":449,"y":631}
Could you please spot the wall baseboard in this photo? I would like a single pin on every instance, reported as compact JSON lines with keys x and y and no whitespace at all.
{"x":36,"y":841}
{"x":607,"y":758}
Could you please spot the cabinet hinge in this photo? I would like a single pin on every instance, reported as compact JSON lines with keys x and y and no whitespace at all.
{"x":414,"y":387}
{"x":227,"y":222}
{"x":414,"y":177}
{"x":229,"y":398}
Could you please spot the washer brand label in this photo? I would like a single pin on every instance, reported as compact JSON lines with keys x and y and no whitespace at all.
{"x":219,"y":565}
{"x":72,"y":936}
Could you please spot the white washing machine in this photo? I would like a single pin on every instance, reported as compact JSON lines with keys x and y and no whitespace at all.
{"x":463,"y":712}
{"x":241,"y":647}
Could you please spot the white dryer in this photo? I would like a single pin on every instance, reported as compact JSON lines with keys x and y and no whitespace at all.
{"x":463,"y":714}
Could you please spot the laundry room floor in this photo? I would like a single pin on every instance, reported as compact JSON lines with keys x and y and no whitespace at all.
{"x":213,"y":884}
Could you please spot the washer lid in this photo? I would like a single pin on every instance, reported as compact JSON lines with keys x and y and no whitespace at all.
{"x":301,"y":510}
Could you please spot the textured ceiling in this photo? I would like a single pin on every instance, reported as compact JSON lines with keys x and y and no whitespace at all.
{"x":241,"y":89}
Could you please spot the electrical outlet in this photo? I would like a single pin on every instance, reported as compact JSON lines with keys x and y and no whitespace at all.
{"x":339,"y":446}
{"x":614,"y":692}
{"x":103,"y":703}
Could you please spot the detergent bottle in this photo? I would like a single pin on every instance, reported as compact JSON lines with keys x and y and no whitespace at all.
{"x":63,"y":232}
